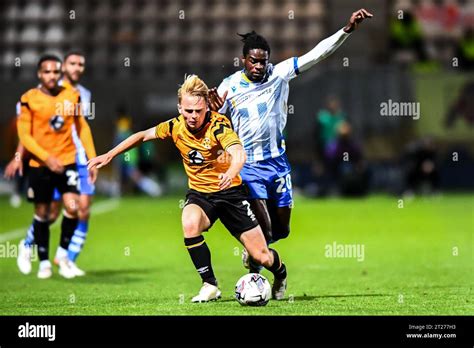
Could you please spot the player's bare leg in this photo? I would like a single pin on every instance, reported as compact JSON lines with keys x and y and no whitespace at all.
{"x":255,"y":244}
{"x":54,"y":211}
{"x":280,"y":222}
{"x":195,"y":221}
{"x":260,"y":209}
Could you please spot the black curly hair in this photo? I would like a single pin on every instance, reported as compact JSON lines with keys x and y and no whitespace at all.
{"x":253,"y":40}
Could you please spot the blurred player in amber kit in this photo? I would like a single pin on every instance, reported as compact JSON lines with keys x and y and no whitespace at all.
{"x":212,"y":157}
{"x":69,"y":246}
{"x":49,"y":114}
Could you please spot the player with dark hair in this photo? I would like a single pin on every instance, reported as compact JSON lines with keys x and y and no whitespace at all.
{"x":212,"y":157}
{"x":49,"y":113}
{"x":71,"y":243}
{"x":256,"y":99}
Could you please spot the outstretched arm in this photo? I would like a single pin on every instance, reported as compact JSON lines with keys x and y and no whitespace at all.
{"x":332,"y":43}
{"x":132,"y":141}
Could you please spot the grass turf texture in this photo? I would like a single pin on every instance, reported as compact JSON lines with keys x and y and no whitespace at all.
{"x":417,"y":261}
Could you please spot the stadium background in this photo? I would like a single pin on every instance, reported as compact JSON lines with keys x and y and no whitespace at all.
{"x":138,"y":52}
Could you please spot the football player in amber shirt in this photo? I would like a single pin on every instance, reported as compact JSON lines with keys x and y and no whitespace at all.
{"x":48,"y":113}
{"x":212,"y":157}
{"x":69,"y":247}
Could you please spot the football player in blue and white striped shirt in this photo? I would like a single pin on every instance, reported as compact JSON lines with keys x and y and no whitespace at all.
{"x":256,"y":100}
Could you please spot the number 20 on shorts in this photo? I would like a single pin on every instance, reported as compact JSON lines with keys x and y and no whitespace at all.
{"x":284,"y":184}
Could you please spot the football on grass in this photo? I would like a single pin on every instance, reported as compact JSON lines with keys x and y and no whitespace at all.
{"x":253,"y":289}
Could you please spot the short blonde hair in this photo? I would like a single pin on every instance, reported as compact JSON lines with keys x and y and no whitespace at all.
{"x":194,"y":86}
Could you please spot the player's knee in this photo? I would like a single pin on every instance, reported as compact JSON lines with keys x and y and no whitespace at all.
{"x":191,"y":228}
{"x":71,"y":209}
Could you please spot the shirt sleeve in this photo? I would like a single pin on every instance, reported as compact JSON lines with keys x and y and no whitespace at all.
{"x":165,"y":129}
{"x":24,"y":122}
{"x":322,"y":50}
{"x":224,"y":134}
{"x":288,"y":69}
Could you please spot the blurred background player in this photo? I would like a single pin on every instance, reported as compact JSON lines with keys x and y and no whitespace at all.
{"x":128,"y":164}
{"x":256,"y":99}
{"x":18,"y":164}
{"x":69,"y":245}
{"x":49,"y":114}
{"x":206,"y":141}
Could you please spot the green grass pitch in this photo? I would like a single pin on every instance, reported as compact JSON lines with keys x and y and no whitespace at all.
{"x":417,"y":260}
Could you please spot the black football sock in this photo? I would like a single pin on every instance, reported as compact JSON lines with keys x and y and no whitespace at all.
{"x":68,"y":226}
{"x":278,"y":268}
{"x":201,"y":257}
{"x":41,"y":236}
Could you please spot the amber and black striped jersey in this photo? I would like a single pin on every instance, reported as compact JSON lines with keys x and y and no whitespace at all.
{"x":203,"y":152}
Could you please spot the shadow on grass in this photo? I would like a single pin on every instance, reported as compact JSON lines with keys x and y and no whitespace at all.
{"x":312,"y":298}
{"x":115,"y":276}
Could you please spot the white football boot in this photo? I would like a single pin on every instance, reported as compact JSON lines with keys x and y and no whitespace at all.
{"x":278,"y":289}
{"x":45,"y":270}
{"x":65,"y":269}
{"x":23,"y":260}
{"x":60,"y":254}
{"x":207,"y":293}
{"x":76,"y":270}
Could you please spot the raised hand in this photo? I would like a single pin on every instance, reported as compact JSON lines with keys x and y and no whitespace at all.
{"x":356,"y":18}
{"x":215,"y":101}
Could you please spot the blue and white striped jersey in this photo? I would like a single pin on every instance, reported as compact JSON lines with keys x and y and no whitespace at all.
{"x":86,"y":98}
{"x":258,"y":110}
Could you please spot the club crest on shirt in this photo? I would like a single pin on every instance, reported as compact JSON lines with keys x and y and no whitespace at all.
{"x":56,"y":122}
{"x":206,"y":143}
{"x":195,"y":157}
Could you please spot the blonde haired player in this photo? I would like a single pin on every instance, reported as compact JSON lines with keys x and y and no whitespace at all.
{"x":212,"y":156}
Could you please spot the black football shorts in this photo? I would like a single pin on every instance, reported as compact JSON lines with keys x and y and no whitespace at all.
{"x":42,"y":182}
{"x":230,"y":206}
